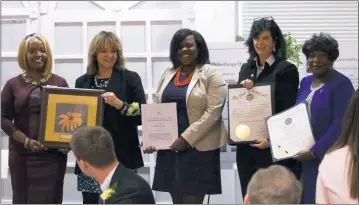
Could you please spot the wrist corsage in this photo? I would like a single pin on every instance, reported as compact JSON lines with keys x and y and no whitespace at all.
{"x":133,"y":109}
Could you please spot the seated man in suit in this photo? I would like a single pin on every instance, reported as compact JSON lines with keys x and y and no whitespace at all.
{"x":94,"y":151}
{"x":273,"y":185}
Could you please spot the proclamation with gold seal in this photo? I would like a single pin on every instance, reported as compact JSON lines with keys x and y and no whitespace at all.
{"x":247,"y":111}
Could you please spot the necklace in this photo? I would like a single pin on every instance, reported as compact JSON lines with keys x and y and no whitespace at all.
{"x":185,"y":82}
{"x":103,"y":84}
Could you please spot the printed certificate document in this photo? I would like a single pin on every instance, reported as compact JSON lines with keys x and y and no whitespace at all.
{"x":247,"y":112}
{"x":159,"y":125}
{"x":290,"y":132}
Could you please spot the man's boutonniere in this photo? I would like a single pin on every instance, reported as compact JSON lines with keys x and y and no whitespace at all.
{"x":107,"y":193}
{"x":133,"y":109}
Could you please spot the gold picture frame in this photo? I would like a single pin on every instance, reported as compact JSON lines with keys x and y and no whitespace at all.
{"x":63,"y":110}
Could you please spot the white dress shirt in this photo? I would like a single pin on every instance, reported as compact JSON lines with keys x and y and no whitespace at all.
{"x":106,"y":184}
{"x":270,"y":62}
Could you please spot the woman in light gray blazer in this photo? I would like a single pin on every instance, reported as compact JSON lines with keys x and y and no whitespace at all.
{"x":190,"y":169}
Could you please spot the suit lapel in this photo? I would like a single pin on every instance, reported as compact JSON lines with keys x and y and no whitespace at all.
{"x":193,"y":82}
{"x":116,"y":178}
{"x":88,"y":81}
{"x":166,"y":80}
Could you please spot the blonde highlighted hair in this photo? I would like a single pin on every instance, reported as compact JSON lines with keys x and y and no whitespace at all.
{"x":22,"y":53}
{"x":100,"y":41}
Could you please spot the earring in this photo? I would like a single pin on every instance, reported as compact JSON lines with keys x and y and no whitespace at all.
{"x":308,"y":68}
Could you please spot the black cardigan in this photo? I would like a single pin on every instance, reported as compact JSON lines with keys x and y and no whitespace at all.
{"x":283,"y":74}
{"x":127,"y":86}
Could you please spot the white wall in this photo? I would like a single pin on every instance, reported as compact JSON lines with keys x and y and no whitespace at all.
{"x":216,"y":20}
{"x":42,"y":16}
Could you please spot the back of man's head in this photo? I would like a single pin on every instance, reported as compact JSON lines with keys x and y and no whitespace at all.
{"x":274,"y":185}
{"x":93,"y":145}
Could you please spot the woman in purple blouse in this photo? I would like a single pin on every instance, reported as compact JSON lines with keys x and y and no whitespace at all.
{"x":37,"y":174}
{"x":327,"y":92}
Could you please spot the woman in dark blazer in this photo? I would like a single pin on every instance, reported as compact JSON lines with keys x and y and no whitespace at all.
{"x":123,"y":97}
{"x":266,"y":65}
{"x":328,"y":93}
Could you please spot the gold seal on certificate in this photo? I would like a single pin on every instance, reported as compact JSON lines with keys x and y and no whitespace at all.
{"x":290,"y":132}
{"x":247,"y":111}
{"x":242,"y":132}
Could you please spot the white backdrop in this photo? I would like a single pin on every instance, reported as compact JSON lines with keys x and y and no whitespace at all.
{"x":145,"y":33}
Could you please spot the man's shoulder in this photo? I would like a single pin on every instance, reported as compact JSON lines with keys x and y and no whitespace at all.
{"x":131,"y":188}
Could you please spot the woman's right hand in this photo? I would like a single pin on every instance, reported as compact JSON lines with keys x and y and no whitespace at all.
{"x":36,"y":146}
{"x":148,"y":150}
{"x":247,"y":84}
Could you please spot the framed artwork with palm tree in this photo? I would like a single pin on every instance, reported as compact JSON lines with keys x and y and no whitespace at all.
{"x":64,"y":110}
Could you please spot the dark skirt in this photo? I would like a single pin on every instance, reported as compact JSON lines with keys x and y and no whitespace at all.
{"x":190,"y":172}
{"x":37,"y":178}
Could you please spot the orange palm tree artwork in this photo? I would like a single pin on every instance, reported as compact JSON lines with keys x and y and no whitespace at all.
{"x":70,"y":121}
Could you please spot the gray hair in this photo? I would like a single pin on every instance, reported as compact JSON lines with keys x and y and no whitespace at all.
{"x":93,"y":145}
{"x":274,"y":185}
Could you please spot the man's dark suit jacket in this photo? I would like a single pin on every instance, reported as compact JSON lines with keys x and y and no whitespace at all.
{"x":127,"y":86}
{"x":131,"y":188}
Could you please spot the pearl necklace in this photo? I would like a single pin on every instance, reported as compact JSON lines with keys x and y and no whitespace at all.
{"x":104,"y":85}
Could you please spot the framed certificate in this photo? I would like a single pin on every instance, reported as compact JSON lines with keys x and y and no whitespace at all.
{"x":64,"y":110}
{"x":159,"y":125}
{"x":247,"y":111}
{"x":290,"y":132}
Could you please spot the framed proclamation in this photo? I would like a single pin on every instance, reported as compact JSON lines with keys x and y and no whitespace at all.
{"x":247,"y":112}
{"x":64,"y":110}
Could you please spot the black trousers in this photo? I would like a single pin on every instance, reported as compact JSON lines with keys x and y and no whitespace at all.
{"x":250,"y":159}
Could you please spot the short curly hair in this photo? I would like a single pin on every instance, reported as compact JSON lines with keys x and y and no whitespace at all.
{"x":324,"y":43}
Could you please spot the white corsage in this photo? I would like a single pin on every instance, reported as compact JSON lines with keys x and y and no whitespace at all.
{"x":133,"y":109}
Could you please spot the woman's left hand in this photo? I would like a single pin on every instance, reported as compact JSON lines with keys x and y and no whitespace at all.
{"x":111,"y":99}
{"x":261,"y":144}
{"x":64,"y":151}
{"x":303,"y":155}
{"x":179,"y":145}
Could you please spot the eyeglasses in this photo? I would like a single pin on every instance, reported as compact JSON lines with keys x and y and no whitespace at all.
{"x":30,"y":35}
{"x":268,"y":18}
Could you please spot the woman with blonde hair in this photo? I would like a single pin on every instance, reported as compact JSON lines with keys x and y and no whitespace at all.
{"x":123,"y":97}
{"x":37,"y":174}
{"x":337,"y":181}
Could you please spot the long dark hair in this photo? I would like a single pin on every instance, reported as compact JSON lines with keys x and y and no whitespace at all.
{"x":349,"y":137}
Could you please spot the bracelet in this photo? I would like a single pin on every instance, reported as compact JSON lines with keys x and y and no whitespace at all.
{"x":313,"y":155}
{"x":124,"y":108}
{"x":25,"y":143}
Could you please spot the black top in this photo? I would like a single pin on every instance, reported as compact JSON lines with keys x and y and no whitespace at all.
{"x":176,"y":94}
{"x":285,"y":77}
{"x":127,"y":86}
{"x":283,"y":74}
{"x":131,"y":188}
